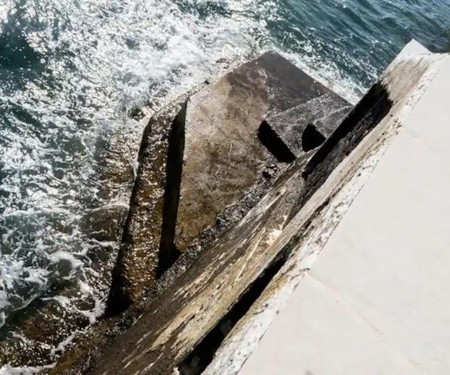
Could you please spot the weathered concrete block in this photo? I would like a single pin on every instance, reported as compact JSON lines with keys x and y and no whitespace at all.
{"x":223,"y":156}
{"x":201,"y":158}
{"x":227,"y":144}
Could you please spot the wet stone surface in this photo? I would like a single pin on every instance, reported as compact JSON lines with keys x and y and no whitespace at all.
{"x":205,"y":163}
{"x":225,"y":147}
{"x":207,"y":160}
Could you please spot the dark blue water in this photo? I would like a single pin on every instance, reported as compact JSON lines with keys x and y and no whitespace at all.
{"x":72,"y":71}
{"x":361,"y":36}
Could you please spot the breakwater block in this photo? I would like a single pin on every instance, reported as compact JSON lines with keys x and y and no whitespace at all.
{"x":207,"y":159}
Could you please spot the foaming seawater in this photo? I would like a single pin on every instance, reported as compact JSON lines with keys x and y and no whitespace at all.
{"x":71,"y":76}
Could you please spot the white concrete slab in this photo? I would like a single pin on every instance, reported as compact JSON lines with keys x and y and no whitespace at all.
{"x":376,"y":301}
{"x":413,"y":48}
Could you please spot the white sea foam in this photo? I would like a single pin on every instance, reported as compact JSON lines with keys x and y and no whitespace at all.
{"x":30,"y":370}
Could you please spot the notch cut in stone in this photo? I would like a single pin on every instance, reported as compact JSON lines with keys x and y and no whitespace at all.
{"x":311,"y":138}
{"x":274,"y":144}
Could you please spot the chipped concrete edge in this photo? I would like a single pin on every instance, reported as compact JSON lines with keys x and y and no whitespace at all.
{"x":244,"y":338}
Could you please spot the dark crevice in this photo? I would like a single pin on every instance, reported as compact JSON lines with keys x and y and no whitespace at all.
{"x":168,"y":253}
{"x":274,"y":144}
{"x":204,"y":352}
{"x":311,"y":138}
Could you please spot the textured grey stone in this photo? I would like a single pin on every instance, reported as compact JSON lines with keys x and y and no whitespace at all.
{"x":226,"y":146}
{"x":324,"y":113}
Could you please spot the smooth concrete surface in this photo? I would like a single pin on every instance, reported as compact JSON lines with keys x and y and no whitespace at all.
{"x":377,"y":300}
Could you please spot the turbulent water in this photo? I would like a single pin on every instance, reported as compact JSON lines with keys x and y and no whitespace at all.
{"x":73,"y":71}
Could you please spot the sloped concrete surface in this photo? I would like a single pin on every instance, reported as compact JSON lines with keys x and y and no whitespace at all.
{"x":225,"y":152}
{"x":376,"y":301}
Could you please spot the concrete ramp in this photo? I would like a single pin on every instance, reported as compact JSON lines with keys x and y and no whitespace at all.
{"x":376,"y":301}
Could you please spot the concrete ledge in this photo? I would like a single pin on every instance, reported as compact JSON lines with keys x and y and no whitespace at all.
{"x":375,"y":302}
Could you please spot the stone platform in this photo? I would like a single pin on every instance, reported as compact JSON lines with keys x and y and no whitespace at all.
{"x":207,"y":159}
